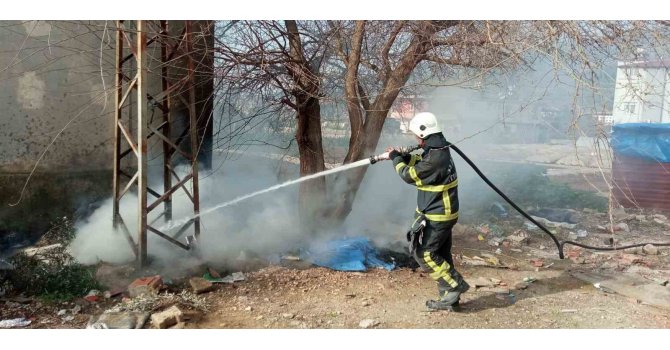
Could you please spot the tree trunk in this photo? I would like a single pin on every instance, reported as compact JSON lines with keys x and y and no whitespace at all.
{"x":312,"y":194}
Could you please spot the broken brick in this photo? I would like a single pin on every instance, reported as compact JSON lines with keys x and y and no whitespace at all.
{"x":92,"y":298}
{"x":145,"y":285}
{"x":166,"y":318}
{"x":201,"y":285}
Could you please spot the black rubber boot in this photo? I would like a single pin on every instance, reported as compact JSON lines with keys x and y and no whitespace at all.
{"x":454,"y":295}
{"x":442,"y":306}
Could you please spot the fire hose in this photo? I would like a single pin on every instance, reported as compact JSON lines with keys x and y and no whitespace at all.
{"x":559,"y":244}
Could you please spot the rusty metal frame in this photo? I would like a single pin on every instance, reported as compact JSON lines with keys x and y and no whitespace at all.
{"x":134,"y":157}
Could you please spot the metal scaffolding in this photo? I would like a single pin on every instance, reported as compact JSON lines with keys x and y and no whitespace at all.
{"x":131,"y":151}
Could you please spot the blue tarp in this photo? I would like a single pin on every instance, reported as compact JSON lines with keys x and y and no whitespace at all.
{"x":346,"y":254}
{"x":642,"y":140}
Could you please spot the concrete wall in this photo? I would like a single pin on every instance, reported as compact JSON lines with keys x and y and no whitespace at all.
{"x":54,"y":73}
{"x":59,"y":76}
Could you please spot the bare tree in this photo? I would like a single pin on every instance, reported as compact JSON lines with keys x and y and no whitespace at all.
{"x":366,"y":65}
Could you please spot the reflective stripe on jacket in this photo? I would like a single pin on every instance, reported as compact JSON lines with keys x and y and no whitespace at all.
{"x":434,"y":175}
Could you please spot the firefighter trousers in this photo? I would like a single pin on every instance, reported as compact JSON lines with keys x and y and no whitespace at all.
{"x":434,"y":255}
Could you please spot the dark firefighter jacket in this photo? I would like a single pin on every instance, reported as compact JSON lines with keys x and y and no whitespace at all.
{"x":434,"y":175}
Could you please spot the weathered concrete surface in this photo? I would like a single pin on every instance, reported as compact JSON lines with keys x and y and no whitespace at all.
{"x":51,"y":79}
{"x":60,"y":76}
{"x":630,"y":286}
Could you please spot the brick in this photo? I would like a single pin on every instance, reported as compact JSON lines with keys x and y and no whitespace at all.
{"x":201,"y":285}
{"x":145,"y":285}
{"x":166,"y":318}
{"x":92,"y":298}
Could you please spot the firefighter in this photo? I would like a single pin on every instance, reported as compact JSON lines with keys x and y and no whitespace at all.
{"x":434,"y":175}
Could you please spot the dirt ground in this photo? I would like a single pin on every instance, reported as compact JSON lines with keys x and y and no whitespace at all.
{"x":319,"y":298}
{"x":316,"y":297}
{"x":298,"y":295}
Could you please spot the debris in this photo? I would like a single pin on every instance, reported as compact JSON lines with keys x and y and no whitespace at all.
{"x":346,"y":254}
{"x":650,"y":249}
{"x":491,"y":261}
{"x":248,"y":308}
{"x":480,"y":237}
{"x":68,"y":318}
{"x":94,"y":295}
{"x":660,"y":217}
{"x":93,"y":298}
{"x":542,"y":247}
{"x":146,"y":285}
{"x":368,"y":323}
{"x":14,"y":323}
{"x":568,"y":310}
{"x":484,"y":229}
{"x":641,"y":218}
{"x":61,"y":312}
{"x":365,"y":303}
{"x":495,"y":241}
{"x":518,"y":237}
{"x":529,"y":279}
{"x":582,"y":233}
{"x":232,"y":278}
{"x":288,"y":316}
{"x":75,"y":310}
{"x":166,"y":318}
{"x":117,"y":320}
{"x":659,"y":221}
{"x":603,"y":288}
{"x":537,"y":262}
{"x":201,"y":285}
{"x":213,"y":273}
{"x":559,"y":217}
{"x":553,"y":224}
{"x":482,"y":282}
{"x":498,"y":251}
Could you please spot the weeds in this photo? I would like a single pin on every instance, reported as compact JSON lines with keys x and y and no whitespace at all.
{"x":52,"y":275}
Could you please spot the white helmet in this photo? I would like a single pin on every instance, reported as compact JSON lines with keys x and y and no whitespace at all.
{"x":424,"y":124}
